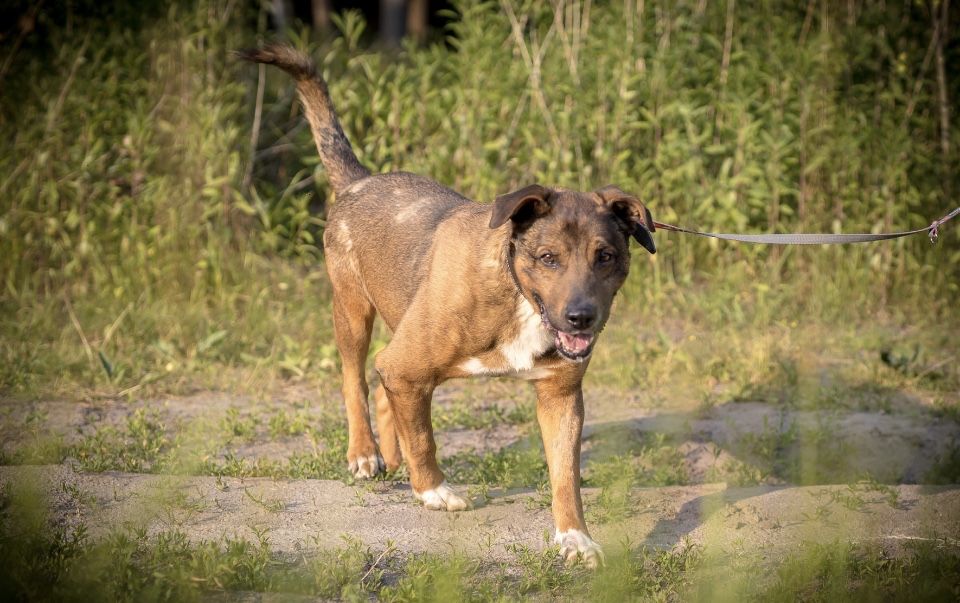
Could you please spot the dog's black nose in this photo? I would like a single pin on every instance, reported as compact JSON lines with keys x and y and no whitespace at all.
{"x":581,"y":316}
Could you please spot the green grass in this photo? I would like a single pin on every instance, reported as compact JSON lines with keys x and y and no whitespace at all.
{"x":799,"y":443}
{"x":794,"y":454}
{"x":144,"y":443}
{"x":140,"y":446}
{"x":520,"y":465}
{"x":241,"y":427}
{"x":139,"y":258}
{"x":947,"y":468}
{"x":648,"y":461}
{"x":287,"y":423}
{"x":475,"y":414}
{"x":42,"y":446}
{"x":66,"y":564}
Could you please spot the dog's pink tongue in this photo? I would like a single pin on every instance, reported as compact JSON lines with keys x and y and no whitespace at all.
{"x":575,"y":343}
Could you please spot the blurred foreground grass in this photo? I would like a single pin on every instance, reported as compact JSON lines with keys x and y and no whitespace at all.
{"x":50,"y":562}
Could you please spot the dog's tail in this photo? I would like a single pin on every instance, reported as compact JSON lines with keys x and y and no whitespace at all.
{"x":337,"y":155}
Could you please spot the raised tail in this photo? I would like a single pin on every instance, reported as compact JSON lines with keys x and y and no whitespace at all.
{"x":337,"y":155}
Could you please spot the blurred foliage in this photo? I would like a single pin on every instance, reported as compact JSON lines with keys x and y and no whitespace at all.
{"x":47,"y":561}
{"x":143,"y":241}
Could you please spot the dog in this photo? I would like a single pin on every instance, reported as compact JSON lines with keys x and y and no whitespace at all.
{"x":521,"y":287}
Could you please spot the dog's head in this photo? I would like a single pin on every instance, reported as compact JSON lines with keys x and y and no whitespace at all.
{"x":571,"y":254}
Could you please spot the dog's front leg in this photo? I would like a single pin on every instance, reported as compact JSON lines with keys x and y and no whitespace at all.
{"x":409,"y":401}
{"x":560,"y":413}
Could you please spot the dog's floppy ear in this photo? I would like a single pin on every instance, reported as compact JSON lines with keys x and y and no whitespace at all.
{"x":636,"y":215}
{"x":525,"y":204}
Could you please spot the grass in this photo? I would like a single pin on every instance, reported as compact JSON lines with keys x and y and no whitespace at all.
{"x":272,"y":505}
{"x":65,"y":564}
{"x":146,"y":443}
{"x":287,"y":423}
{"x":798,"y":442}
{"x":155,"y":258}
{"x":42,"y":446}
{"x":947,"y":468}
{"x":521,"y":465}
{"x":792,"y":453}
{"x":648,"y":461}
{"x":140,"y":446}
{"x":242,"y":427}
{"x":475,"y":414}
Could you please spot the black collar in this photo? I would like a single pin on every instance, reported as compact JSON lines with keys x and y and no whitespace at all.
{"x":511,"y":249}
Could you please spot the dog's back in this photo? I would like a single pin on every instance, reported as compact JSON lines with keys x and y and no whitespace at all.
{"x":382,"y":227}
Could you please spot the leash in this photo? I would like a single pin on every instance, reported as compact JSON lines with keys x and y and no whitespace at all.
{"x":815,"y":238}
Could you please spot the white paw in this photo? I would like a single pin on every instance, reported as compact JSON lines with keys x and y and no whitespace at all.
{"x":442,"y":498}
{"x":365,"y":467}
{"x":575,"y":544}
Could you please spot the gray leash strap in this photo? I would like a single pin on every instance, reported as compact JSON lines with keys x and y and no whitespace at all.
{"x":815,"y":238}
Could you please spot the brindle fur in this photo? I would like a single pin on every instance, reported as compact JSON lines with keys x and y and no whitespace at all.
{"x":452,"y":279}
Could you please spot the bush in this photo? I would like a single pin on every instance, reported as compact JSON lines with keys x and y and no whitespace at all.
{"x":141,"y":242}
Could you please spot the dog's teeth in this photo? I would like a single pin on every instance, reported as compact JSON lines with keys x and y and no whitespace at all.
{"x":574,"y":343}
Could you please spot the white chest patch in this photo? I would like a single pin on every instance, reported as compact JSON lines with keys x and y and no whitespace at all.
{"x":520,"y":353}
{"x":532,"y":341}
{"x":475,"y":366}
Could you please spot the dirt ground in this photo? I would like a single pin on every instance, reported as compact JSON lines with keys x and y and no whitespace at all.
{"x":304,"y":515}
{"x":898,"y":444}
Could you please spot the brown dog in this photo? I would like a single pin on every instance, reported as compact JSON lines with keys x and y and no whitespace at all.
{"x":521,"y":287}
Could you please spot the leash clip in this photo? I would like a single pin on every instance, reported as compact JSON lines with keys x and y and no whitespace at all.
{"x":934,"y":227}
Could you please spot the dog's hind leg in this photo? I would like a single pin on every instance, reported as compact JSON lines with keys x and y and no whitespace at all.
{"x":387,"y":430}
{"x":353,"y":316}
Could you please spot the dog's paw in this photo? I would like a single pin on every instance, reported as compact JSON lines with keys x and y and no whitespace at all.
{"x":576,"y":545}
{"x":365,"y":467}
{"x":442,"y":498}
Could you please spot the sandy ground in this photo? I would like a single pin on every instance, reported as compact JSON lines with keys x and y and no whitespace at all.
{"x":897,"y":445}
{"x":306,"y":515}
{"x":900,"y":443}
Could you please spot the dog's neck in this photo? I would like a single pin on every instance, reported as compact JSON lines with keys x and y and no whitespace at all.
{"x":511,"y":269}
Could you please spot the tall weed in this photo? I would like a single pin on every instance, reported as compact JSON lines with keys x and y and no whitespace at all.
{"x":144,"y":244}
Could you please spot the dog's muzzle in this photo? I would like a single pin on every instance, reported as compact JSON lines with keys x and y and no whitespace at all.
{"x":576,"y":347}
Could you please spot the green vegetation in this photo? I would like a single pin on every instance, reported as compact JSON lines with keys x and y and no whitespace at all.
{"x":474,"y":414}
{"x":64,"y":563}
{"x":146,"y":445}
{"x":130,"y":566}
{"x":520,"y":465}
{"x":143,"y":250}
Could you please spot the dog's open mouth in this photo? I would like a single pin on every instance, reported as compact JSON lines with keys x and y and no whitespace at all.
{"x":575,"y":346}
{"x":572,"y":346}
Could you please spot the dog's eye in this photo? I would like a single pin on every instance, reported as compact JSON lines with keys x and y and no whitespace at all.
{"x":605,"y":257}
{"x":548,"y":259}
